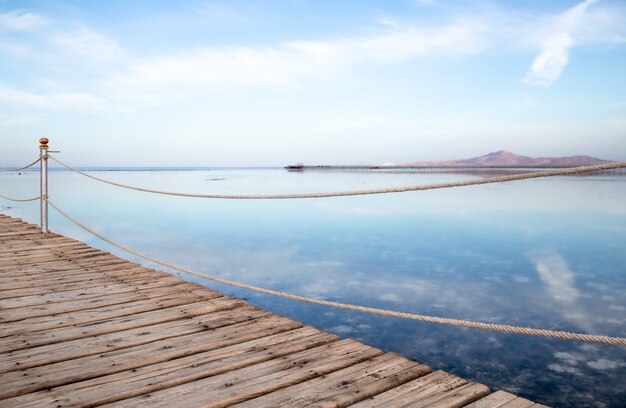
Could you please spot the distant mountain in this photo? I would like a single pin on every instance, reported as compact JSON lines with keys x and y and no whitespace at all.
{"x":508,"y":159}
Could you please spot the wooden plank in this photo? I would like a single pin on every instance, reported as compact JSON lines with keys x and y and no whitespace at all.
{"x":438,"y":389}
{"x":67,"y":271}
{"x":29,"y":340}
{"x":80,"y":317}
{"x":342,"y":387}
{"x":53,"y":353}
{"x":105,"y":274}
{"x":86,"y":260}
{"x":13,"y":255}
{"x":414,"y":390}
{"x":456,"y":398}
{"x":132,"y":383}
{"x":88,"y":293}
{"x":48,"y":243}
{"x":129,"y":276}
{"x":92,"y":256}
{"x":107,"y":299}
{"x":25,"y":232}
{"x":66,"y":372}
{"x":495,"y":400}
{"x":259,"y":379}
{"x":519,"y":403}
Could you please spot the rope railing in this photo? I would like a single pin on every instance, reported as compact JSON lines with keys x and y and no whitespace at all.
{"x":22,"y":168}
{"x":500,"y":179}
{"x":19,"y":200}
{"x":502,"y":328}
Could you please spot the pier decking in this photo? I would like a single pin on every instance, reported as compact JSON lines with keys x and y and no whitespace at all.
{"x":81,"y":327}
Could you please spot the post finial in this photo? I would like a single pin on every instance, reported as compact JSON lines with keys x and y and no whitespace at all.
{"x":43,"y":143}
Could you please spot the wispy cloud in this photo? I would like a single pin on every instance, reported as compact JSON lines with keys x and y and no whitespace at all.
{"x":18,"y":120}
{"x":55,"y":100}
{"x":389,"y":22}
{"x":549,"y":64}
{"x":91,"y":67}
{"x":18,"y":20}
{"x":86,"y":43}
{"x":289,"y":64}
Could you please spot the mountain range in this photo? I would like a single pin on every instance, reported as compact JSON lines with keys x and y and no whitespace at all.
{"x":504,"y":158}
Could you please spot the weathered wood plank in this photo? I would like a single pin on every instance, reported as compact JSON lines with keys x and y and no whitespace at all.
{"x":131,"y":276}
{"x":88,"y":293}
{"x":95,"y":259}
{"x":80,"y":317}
{"x":108,"y":299}
{"x":240,"y":385}
{"x":29,"y":340}
{"x":457,"y":398}
{"x":107,"y":275}
{"x":132,"y":383}
{"x":85,"y":258}
{"x":66,"y":372}
{"x":414,"y":390}
{"x":495,"y":400}
{"x":53,"y":353}
{"x":67,"y":271}
{"x":339,"y":388}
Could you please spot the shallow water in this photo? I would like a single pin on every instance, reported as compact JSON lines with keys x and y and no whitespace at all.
{"x":545,"y":253}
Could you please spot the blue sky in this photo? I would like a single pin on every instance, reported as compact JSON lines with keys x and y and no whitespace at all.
{"x":206,"y":83}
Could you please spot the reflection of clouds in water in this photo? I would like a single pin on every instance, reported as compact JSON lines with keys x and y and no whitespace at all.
{"x":569,"y":358}
{"x":560,"y":368}
{"x":521,"y":279}
{"x":569,"y":362}
{"x":319,"y":288}
{"x":341,"y":329}
{"x":556,"y":274}
{"x":604,"y":364}
{"x":390,"y":297}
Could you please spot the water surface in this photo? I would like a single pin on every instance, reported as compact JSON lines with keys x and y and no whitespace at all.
{"x":545,"y":253}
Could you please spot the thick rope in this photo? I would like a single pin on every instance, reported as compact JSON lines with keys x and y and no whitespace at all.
{"x":500,"y":179}
{"x":589,"y":338}
{"x":18,"y":200}
{"x":23,"y":168}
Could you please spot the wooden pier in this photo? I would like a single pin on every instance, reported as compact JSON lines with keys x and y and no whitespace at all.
{"x":81,"y":327}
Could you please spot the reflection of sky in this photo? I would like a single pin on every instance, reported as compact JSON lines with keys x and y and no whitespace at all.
{"x":541,"y":253}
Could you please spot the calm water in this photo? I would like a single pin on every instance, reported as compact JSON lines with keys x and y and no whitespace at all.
{"x":545,"y":253}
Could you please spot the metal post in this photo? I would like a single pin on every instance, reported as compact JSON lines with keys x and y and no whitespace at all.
{"x":43,"y":155}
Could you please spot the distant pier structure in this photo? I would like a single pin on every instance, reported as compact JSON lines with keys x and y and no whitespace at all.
{"x":440,"y":169}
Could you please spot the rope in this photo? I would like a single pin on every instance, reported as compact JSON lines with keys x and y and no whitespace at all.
{"x":500,"y":179}
{"x":589,"y":338}
{"x":23,"y":168}
{"x":18,"y":200}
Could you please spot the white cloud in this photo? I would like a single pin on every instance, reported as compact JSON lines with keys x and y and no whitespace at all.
{"x":549,"y":64}
{"x":287,"y":65}
{"x":18,"y":120}
{"x":21,"y":21}
{"x":130,"y":81}
{"x":15,"y":50}
{"x":389,"y":22}
{"x":55,"y":100}
{"x":85,"y":43}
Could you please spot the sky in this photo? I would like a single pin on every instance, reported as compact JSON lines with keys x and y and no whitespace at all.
{"x":269,"y":83}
